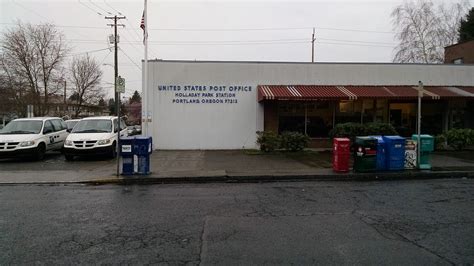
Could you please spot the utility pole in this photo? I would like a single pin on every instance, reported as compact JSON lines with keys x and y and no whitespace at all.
{"x":312,"y":47}
{"x":117,"y":93}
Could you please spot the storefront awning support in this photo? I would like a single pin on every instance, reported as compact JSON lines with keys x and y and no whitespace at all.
{"x":305,"y":118}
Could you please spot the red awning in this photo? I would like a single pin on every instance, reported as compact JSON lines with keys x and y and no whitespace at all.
{"x":331,"y":92}
{"x":470,"y":90}
{"x":277,"y":92}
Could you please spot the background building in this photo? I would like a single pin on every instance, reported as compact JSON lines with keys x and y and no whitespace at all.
{"x":460,"y":53}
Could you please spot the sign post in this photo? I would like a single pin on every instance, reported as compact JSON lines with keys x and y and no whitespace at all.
{"x":120,"y":85}
{"x":119,"y":88}
{"x":418,"y":127}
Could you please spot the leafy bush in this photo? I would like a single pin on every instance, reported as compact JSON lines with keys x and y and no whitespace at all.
{"x":293,"y":141}
{"x":440,"y":142}
{"x":351,"y":130}
{"x":347,"y":130}
{"x":460,"y":138}
{"x":379,"y":129}
{"x":268,"y":140}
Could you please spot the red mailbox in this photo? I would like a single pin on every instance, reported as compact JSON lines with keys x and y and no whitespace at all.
{"x":341,"y":154}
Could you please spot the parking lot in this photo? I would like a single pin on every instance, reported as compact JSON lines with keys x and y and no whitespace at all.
{"x":53,"y":161}
{"x":54,"y":168}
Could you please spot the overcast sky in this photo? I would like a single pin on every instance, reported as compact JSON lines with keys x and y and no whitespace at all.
{"x":346,"y":31}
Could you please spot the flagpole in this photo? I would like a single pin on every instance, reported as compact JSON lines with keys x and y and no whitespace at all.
{"x":145,"y":76}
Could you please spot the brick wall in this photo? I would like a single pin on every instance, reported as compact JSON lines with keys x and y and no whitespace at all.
{"x":464,"y":51}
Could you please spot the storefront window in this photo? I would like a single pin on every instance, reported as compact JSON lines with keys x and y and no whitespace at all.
{"x":318,"y":118}
{"x":403,"y":118}
{"x":348,"y":111}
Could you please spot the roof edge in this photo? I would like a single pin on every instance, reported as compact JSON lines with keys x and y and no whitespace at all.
{"x":295,"y":62}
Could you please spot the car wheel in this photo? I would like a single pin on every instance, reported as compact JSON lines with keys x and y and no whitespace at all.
{"x":40,"y":151}
{"x":113,"y":150}
{"x":69,"y":157}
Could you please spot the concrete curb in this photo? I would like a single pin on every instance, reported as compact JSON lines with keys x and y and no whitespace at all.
{"x":244,"y":178}
{"x":414,"y":175}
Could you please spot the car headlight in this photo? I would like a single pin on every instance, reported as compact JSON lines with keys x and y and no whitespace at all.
{"x":27,"y":143}
{"x":68,"y":143}
{"x":103,"y":141}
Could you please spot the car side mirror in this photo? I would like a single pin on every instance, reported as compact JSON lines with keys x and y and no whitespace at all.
{"x":46,"y":131}
{"x":116,"y":130}
{"x":69,"y":130}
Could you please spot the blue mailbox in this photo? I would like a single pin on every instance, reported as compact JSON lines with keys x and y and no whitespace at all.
{"x":143,"y":148}
{"x":395,"y":150}
{"x":127,"y":152}
{"x":381,"y":153}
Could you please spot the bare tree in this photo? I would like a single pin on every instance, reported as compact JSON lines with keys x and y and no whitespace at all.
{"x":13,"y":91}
{"x":423,"y":30}
{"x":86,"y":75}
{"x":35,"y":53}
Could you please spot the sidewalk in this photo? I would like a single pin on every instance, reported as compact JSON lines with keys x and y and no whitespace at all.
{"x":220,"y":166}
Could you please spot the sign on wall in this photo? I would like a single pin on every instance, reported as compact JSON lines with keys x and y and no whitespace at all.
{"x":205,"y":94}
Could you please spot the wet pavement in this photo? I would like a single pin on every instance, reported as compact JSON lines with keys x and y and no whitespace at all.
{"x":194,"y":166}
{"x":393,"y":222}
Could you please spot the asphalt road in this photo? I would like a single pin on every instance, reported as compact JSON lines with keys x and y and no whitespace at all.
{"x":391,"y":222}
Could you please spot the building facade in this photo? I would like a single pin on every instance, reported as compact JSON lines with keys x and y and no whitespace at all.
{"x":221,"y":105}
{"x":460,"y":53}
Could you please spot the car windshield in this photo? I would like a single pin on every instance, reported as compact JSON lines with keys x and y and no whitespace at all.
{"x":22,"y":127}
{"x":71,"y":123}
{"x":93,"y":126}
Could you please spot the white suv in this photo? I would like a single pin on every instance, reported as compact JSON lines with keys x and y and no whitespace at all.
{"x":32,"y":137}
{"x":94,"y":136}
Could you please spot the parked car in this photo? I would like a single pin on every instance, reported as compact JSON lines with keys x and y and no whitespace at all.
{"x":71,"y":123}
{"x":32,"y":137}
{"x":138,"y":128}
{"x":131,"y":130}
{"x":94,"y":136}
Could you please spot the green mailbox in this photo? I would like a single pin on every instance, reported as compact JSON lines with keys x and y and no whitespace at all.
{"x":365,"y":154}
{"x":426,"y":146}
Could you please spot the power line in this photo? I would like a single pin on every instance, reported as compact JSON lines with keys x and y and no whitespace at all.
{"x":267,"y":29}
{"x":131,"y":27}
{"x":131,"y":60}
{"x":113,"y":8}
{"x":62,"y":26}
{"x":100,"y":7}
{"x":89,"y":52}
{"x":249,"y":42}
{"x":37,"y":14}
{"x":32,"y":11}
{"x":105,"y":57}
{"x":339,"y":40}
{"x":231,"y":30}
{"x":93,"y":10}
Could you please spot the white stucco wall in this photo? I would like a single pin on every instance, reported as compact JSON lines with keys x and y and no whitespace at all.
{"x":233,"y":126}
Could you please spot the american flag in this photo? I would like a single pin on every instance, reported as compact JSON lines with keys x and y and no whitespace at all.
{"x":142,"y":25}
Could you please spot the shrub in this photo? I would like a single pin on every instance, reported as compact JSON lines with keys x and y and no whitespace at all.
{"x":268,"y":140}
{"x":293,"y":141}
{"x":379,"y":129}
{"x":351,"y":130}
{"x":440,"y":142}
{"x":460,"y":138}
{"x":347,"y":130}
